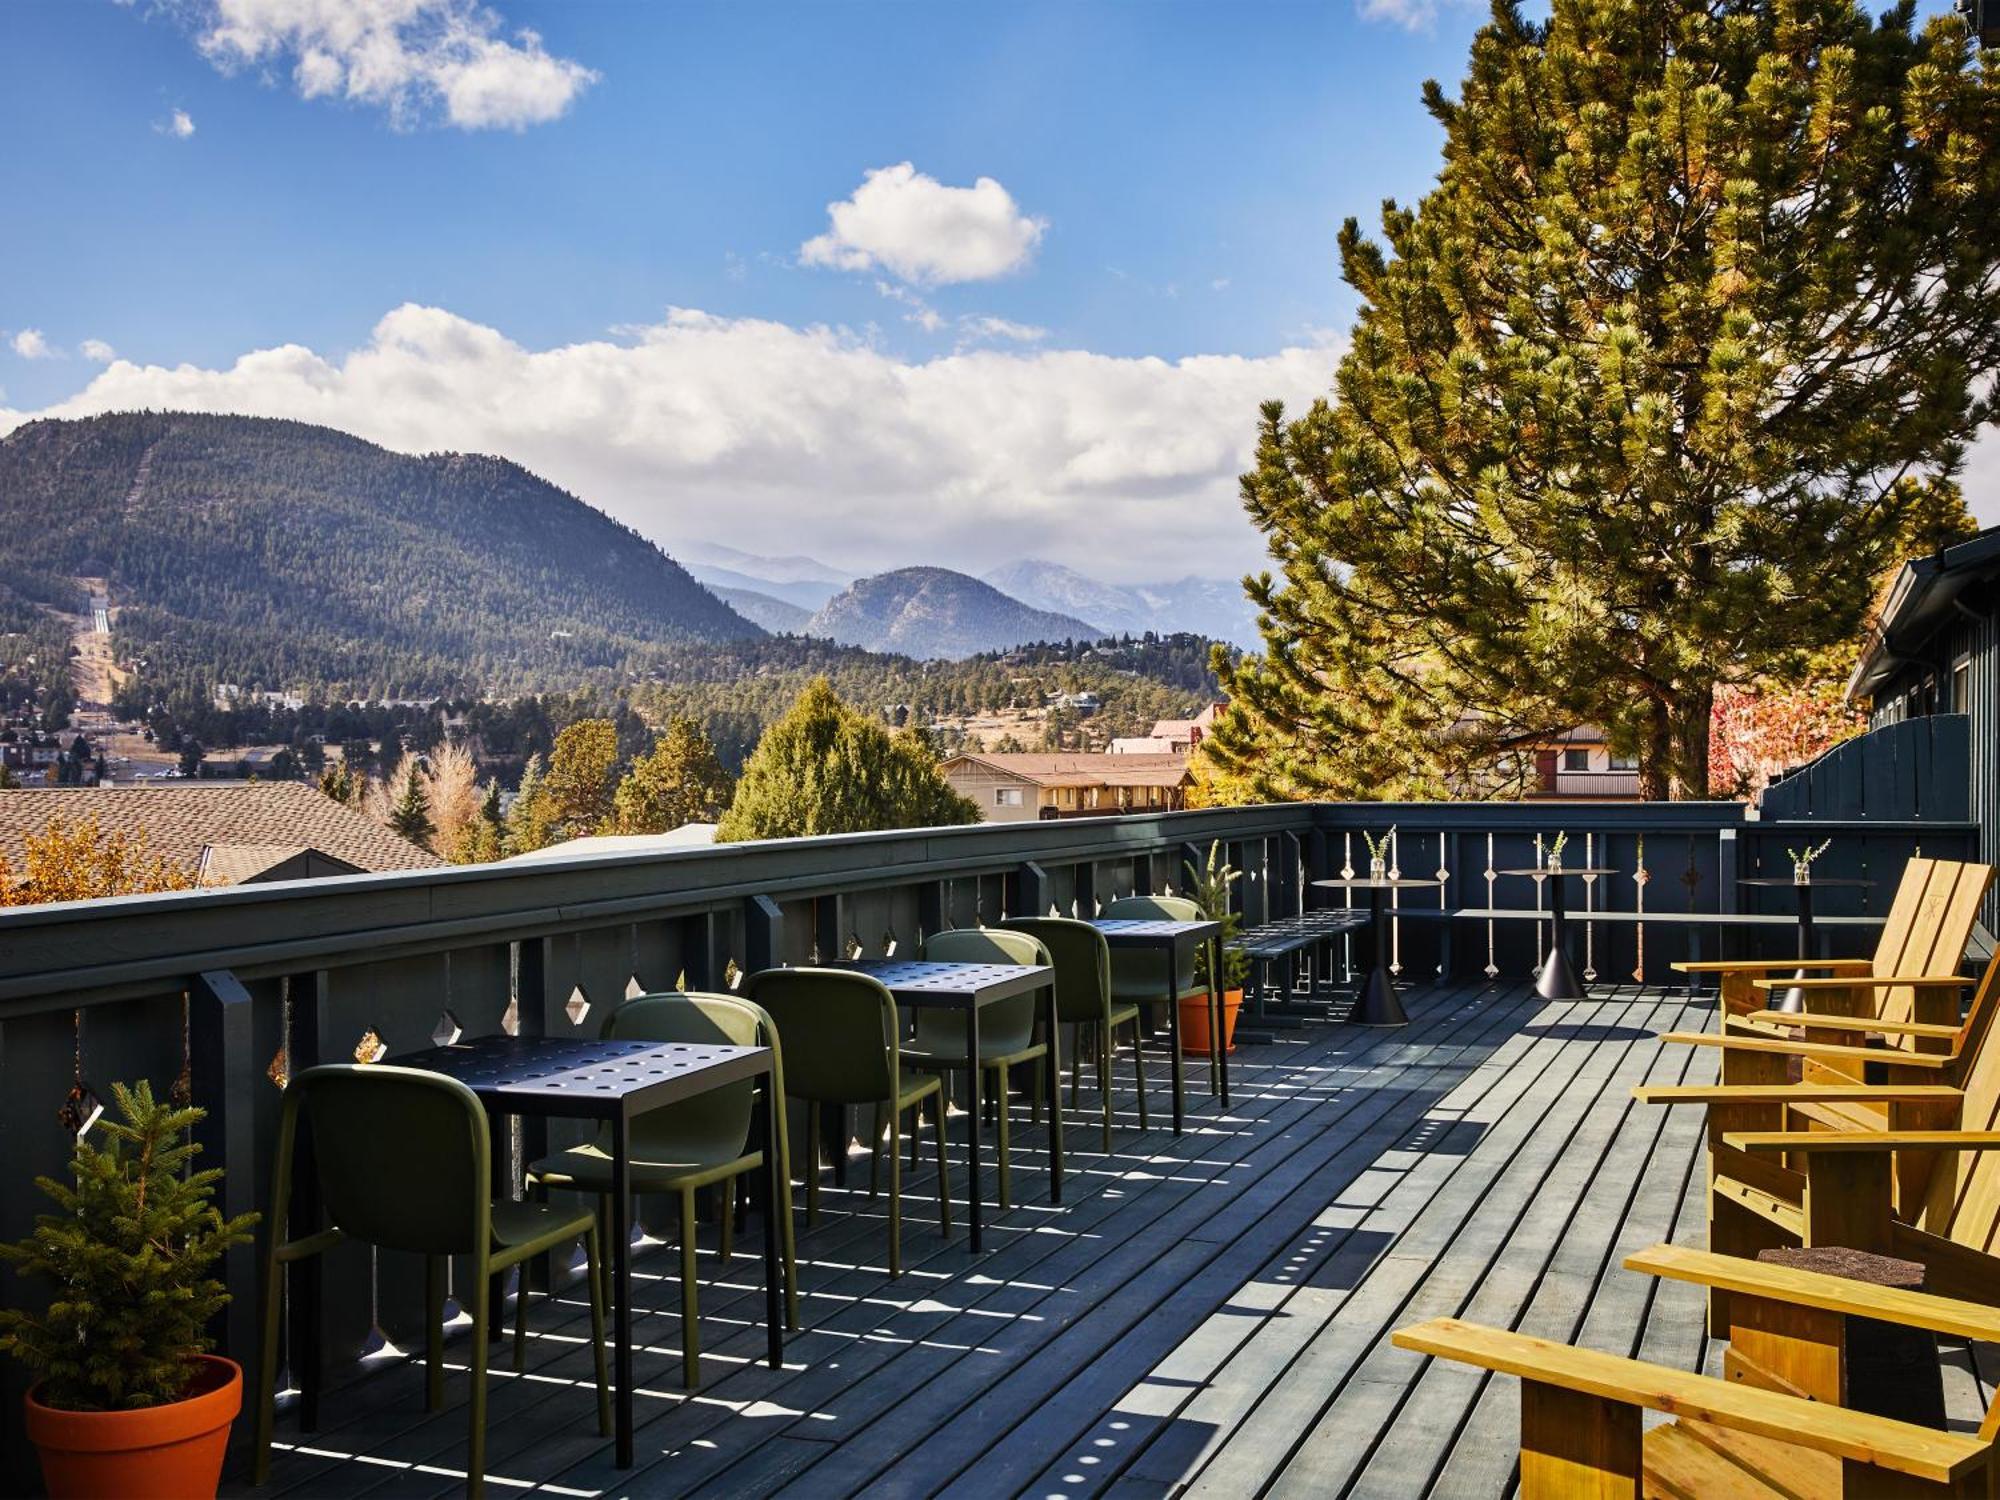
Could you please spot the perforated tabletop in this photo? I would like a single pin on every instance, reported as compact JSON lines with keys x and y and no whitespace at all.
{"x":1136,"y":932}
{"x":580,"y":1079}
{"x":951,"y":986}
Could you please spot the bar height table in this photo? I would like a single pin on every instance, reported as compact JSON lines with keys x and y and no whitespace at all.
{"x":971,"y":988}
{"x":1375,"y":1003}
{"x":1794,"y":1000}
{"x":1173,"y":939}
{"x":613,"y":1082}
{"x":1558,"y":980}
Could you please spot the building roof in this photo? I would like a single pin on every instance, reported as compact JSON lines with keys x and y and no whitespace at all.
{"x":1144,"y":744}
{"x":1084,"y":770}
{"x":1921,"y":599}
{"x":687,"y":836}
{"x":241,"y":822}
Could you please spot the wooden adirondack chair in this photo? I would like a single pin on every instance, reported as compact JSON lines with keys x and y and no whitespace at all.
{"x":1774,"y":1427}
{"x":1924,"y":935}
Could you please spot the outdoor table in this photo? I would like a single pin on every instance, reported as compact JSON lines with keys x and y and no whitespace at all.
{"x":1376,"y":1003}
{"x":971,"y":988}
{"x":1794,"y":1000}
{"x":1281,"y":940}
{"x":1174,"y":939}
{"x":1559,"y":981}
{"x":613,"y":1082}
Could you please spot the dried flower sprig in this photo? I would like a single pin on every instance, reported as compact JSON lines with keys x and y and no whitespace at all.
{"x":1810,"y":853}
{"x":1378,"y":850}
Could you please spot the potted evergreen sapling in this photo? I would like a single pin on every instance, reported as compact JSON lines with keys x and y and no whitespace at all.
{"x":1209,"y":888}
{"x":128,"y":1400}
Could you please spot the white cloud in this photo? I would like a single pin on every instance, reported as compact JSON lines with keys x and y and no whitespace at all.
{"x":741,"y":431}
{"x":97,"y":351}
{"x":179,"y":125}
{"x":1002,"y":328}
{"x":30,"y":344}
{"x":920,"y":230}
{"x":417,"y":59}
{"x":1411,"y":15}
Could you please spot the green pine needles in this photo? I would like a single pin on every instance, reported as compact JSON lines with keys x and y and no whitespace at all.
{"x":128,"y":1255}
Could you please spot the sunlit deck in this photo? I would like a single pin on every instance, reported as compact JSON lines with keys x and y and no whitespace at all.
{"x":1210,"y":1314}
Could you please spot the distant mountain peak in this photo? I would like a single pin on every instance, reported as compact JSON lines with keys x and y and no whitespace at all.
{"x":935,"y":612}
{"x":1214,"y":607}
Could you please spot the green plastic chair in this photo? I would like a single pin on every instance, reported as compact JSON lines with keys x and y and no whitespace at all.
{"x":1006,"y":1029}
{"x":842,"y":1030}
{"x":685,"y":1147}
{"x":1082,"y":963}
{"x":404,"y":1159}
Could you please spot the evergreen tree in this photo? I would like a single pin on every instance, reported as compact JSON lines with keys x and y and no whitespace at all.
{"x":582,"y":777}
{"x":482,"y":840}
{"x":1641,"y":397}
{"x":411,"y":816}
{"x":680,"y":780}
{"x":824,"y":768}
{"x":529,"y":825}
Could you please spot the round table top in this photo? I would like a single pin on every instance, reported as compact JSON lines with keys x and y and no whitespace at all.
{"x":1540,"y":870}
{"x":1378,"y":883}
{"x":1778,"y":880}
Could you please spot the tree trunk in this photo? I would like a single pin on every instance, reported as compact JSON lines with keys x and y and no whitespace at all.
{"x":1656,"y":755}
{"x":1692,"y":716}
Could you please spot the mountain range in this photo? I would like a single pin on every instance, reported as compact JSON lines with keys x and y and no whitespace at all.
{"x":936,"y":613}
{"x":1214,"y":607}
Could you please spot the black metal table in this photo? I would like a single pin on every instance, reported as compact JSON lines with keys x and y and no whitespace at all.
{"x":1279,"y":941}
{"x":1174,"y":939}
{"x":1794,"y":1000}
{"x":612,"y":1082}
{"x":1375,"y":1004}
{"x":1558,"y":979}
{"x":971,"y":988}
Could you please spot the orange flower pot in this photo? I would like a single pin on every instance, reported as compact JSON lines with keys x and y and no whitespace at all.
{"x":171,"y":1452}
{"x":1194,"y":1023}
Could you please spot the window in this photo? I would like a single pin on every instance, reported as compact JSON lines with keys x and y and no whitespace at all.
{"x":1006,"y":796}
{"x":1576,"y":760}
{"x":1624,"y":762}
{"x":1961,"y":685}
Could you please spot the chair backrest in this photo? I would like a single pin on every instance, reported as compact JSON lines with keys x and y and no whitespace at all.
{"x":1006,"y":1026}
{"x":1151,"y":965}
{"x":1940,"y":916}
{"x":720,"y":1115}
{"x":403,"y":1155}
{"x":1082,"y":962}
{"x":1962,"y":1199}
{"x":839,"y":1029}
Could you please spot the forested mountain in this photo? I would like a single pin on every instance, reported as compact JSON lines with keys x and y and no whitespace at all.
{"x":779,"y":616}
{"x":805,"y":582}
{"x":281,"y":555}
{"x":934,"y":612}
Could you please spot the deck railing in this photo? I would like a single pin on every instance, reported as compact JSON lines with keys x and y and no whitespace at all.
{"x":228,"y":992}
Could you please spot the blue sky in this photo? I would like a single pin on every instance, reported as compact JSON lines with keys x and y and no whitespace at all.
{"x":478,"y":244}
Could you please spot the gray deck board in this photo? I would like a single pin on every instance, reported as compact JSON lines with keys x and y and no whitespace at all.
{"x":1202,"y":1316}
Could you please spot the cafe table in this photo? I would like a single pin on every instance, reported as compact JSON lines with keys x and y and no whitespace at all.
{"x":1174,"y":941}
{"x":1558,"y":979}
{"x":969,"y":989}
{"x":1794,"y":1000}
{"x":1376,"y":1004}
{"x":613,"y":1083}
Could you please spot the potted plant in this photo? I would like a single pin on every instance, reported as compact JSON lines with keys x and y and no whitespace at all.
{"x":1802,"y":861}
{"x":127,"y":1400}
{"x":1208,"y":888}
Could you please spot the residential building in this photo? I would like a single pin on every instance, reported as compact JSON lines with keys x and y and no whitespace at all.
{"x":232,"y":833}
{"x":1022,"y":788}
{"x":1577,"y":762}
{"x":1182,"y":735}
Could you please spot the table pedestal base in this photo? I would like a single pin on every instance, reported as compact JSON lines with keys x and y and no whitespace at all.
{"x":1792,"y":1001}
{"x":1559,"y":981}
{"x":1376,"y":1004}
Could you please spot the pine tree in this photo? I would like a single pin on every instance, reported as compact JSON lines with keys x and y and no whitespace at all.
{"x":680,"y":780}
{"x":1641,"y":397}
{"x":129,"y":1252}
{"x":825,"y":768}
{"x":411,"y":816}
{"x":482,"y":840}
{"x":582,"y":777}
{"x":337,"y":781}
{"x":529,"y":826}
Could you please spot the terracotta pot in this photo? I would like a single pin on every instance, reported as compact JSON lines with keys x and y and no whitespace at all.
{"x":1194,"y":1023}
{"x":171,"y":1452}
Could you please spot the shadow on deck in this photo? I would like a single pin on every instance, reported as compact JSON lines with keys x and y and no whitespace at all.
{"x":1208,"y":1314}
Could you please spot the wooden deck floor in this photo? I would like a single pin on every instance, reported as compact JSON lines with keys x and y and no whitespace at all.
{"x":1208,"y":1315}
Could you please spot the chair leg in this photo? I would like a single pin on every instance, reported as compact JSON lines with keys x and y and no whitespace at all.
{"x":690,"y":1330}
{"x":1103,"y":1094}
{"x":917,"y":1130}
{"x":1000,"y":1102}
{"x":1076,"y":1067}
{"x":895,"y":1191}
{"x":1139,"y":1074}
{"x":1038,"y":1081}
{"x":267,"y":1366}
{"x":726,"y":1239}
{"x":875,"y":1155}
{"x":434,"y":1332}
{"x":593,"y":1258}
{"x":521,"y":1318}
{"x":944,"y":1177}
{"x":475,"y":1466}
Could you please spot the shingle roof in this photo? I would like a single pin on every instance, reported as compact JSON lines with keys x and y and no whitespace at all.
{"x":1087,"y":770}
{"x":180,"y":821}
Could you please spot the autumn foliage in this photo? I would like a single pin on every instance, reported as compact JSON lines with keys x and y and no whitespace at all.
{"x":76,"y":860}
